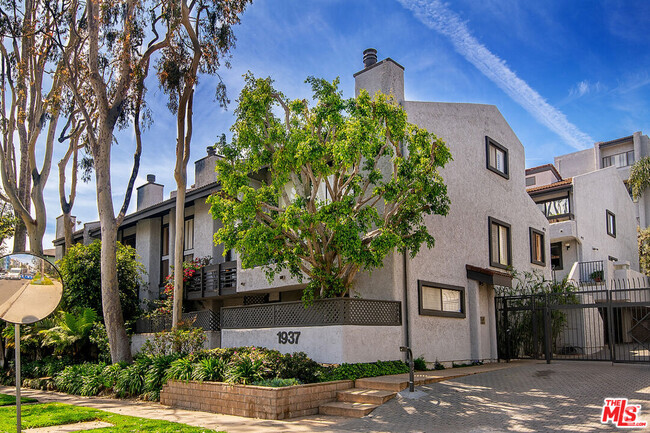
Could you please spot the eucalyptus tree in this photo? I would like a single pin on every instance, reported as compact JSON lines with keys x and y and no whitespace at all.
{"x":30,"y":97}
{"x":201,"y":44}
{"x":344,"y":183}
{"x":115,"y":41}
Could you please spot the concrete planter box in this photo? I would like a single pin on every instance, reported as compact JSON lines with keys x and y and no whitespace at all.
{"x":251,"y":401}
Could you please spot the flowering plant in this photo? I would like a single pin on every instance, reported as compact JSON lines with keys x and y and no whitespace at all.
{"x":190,"y":268}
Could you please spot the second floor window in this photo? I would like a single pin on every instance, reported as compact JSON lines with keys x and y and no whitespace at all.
{"x":189,"y":234}
{"x":611,"y":224}
{"x":537,"y":247}
{"x":500,"y":245}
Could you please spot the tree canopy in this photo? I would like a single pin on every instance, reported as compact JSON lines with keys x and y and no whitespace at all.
{"x":325,"y":191}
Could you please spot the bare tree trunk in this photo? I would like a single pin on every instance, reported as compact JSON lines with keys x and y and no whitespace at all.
{"x":24,"y":185}
{"x":179,"y":244}
{"x":118,"y":339}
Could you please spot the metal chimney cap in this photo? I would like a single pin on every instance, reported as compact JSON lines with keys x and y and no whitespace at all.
{"x":369,"y":57}
{"x":151,"y":178}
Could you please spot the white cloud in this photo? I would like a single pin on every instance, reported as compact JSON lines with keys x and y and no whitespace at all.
{"x":584,"y":87}
{"x":437,"y":16}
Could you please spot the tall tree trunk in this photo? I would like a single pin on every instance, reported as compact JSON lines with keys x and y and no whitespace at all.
{"x":24,"y":186}
{"x":113,"y":318}
{"x":179,"y":244}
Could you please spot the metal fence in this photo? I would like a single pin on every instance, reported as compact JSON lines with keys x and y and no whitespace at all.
{"x":212,"y":280}
{"x":599,"y":324}
{"x":339,"y":311}
{"x":207,"y":320}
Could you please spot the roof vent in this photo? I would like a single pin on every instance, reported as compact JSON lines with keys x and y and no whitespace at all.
{"x":151,"y":178}
{"x":369,"y":57}
{"x":211,"y":151}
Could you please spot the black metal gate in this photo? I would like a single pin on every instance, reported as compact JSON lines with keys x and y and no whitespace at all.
{"x":596,"y":323}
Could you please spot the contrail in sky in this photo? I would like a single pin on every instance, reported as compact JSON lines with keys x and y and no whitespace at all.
{"x":437,"y":16}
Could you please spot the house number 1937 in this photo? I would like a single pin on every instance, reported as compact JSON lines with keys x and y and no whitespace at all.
{"x":290,"y":337}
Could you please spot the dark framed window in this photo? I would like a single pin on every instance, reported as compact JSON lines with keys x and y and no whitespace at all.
{"x":537,"y":247}
{"x":556,"y":256}
{"x":189,"y":233}
{"x":129,"y":240}
{"x":164,"y":253}
{"x":611,"y":223}
{"x":530,"y":181}
{"x":500,"y":244}
{"x":496,"y":158}
{"x":441,"y":300}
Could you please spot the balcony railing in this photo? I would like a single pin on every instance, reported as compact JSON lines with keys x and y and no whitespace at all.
{"x":338,"y":311}
{"x":207,"y":320}
{"x":591,"y":272}
{"x":213,"y":280}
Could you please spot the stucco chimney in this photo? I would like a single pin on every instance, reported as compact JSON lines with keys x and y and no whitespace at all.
{"x":59,"y":225}
{"x":150,"y":193}
{"x":204,"y":173}
{"x":386,"y":76}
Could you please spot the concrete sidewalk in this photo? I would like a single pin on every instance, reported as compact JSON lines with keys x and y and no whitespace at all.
{"x":236,"y":424}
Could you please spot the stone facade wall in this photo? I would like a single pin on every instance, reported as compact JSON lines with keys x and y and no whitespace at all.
{"x":251,"y":401}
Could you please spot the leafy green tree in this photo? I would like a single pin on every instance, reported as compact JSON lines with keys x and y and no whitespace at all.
{"x":639,"y":177}
{"x":81,"y":271}
{"x":8,"y":222}
{"x":328,"y":190}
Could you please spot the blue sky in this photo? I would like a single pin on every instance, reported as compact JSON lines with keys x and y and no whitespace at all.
{"x":563,"y":74}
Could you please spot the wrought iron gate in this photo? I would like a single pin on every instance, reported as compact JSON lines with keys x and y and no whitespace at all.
{"x":596,"y":323}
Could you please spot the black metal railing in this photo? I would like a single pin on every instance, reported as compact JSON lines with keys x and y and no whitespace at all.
{"x":323,"y":312}
{"x":207,"y":320}
{"x":591,"y":272}
{"x":212,"y":280}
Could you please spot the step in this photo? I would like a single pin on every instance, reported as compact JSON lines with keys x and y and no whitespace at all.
{"x":344,"y":408}
{"x":397,"y":384}
{"x":363,"y":395}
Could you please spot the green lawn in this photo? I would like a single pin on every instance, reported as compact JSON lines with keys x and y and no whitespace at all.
{"x":8,"y":400}
{"x":43,"y":415}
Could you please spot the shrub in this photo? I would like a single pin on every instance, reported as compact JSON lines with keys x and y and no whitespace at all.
{"x":420,"y":364}
{"x":179,"y":341}
{"x":361,"y":370}
{"x":210,"y":369}
{"x":277,"y":382}
{"x":245,"y":371}
{"x":299,"y":366}
{"x":155,"y":375}
{"x":438,"y":365}
{"x":130,"y":381}
{"x":181,"y":369}
{"x":80,"y":268}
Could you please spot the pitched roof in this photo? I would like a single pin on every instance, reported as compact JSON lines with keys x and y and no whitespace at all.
{"x":563,"y":183}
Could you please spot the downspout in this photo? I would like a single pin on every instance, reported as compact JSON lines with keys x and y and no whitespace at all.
{"x":407,"y":334}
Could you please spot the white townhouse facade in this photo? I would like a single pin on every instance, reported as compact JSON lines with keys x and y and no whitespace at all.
{"x":593,"y":225}
{"x":440,"y":303}
{"x":620,"y":153}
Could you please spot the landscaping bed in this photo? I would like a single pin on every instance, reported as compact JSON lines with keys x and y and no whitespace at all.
{"x":251,"y":401}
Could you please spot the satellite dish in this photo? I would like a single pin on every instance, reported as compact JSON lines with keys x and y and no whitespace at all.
{"x":30,"y":288}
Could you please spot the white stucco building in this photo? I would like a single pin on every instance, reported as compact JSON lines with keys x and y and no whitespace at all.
{"x":621,"y":154}
{"x":441,"y":303}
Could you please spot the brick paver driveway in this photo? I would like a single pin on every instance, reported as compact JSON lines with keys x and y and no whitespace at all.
{"x":563,"y":396}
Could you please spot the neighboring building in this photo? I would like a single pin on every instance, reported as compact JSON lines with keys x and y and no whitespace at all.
{"x":620,"y":153}
{"x":441,"y":303}
{"x":592,"y":223}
